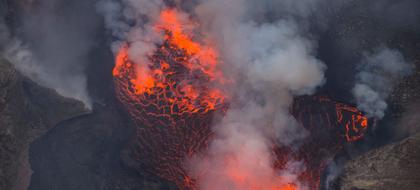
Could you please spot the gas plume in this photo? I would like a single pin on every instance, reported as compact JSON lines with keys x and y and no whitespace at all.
{"x":176,"y":61}
{"x":213,"y":83}
{"x":51,"y":45}
{"x":272,"y":61}
{"x":379,"y":73}
{"x":269,"y":61}
{"x":131,"y":22}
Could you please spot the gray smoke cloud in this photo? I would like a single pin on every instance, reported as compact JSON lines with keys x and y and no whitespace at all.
{"x":333,"y":171}
{"x":267,"y":53}
{"x":272,"y":60}
{"x":266,"y":47}
{"x":130,"y":21}
{"x":53,"y":46}
{"x":379,"y":73}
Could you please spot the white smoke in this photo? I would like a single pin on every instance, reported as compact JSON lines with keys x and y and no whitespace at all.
{"x":379,"y":74}
{"x":272,"y":61}
{"x":23,"y":59}
{"x":131,"y":21}
{"x":55,"y":49}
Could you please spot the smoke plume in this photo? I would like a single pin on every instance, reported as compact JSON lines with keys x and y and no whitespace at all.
{"x":271,"y":60}
{"x":52,"y":44}
{"x":379,"y":73}
{"x":130,"y":22}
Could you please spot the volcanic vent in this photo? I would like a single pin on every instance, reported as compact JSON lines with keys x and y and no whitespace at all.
{"x":173,"y":97}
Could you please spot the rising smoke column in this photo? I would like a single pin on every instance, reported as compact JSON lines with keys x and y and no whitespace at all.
{"x":131,"y":22}
{"x":379,"y":73}
{"x":165,"y":79}
{"x":271,"y":61}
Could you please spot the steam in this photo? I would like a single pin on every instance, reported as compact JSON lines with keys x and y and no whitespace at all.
{"x":269,"y":58}
{"x":130,"y":21}
{"x":272,"y":61}
{"x":56,"y":47}
{"x":333,"y":171}
{"x":379,"y":74}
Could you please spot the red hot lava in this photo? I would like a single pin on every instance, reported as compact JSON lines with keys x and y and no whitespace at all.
{"x":173,"y":98}
{"x":179,"y":80}
{"x":331,"y":125}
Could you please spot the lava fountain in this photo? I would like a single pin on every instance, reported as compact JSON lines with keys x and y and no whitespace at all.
{"x":173,"y":98}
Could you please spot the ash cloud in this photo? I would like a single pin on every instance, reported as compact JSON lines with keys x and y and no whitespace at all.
{"x":379,"y":73}
{"x":52,"y":43}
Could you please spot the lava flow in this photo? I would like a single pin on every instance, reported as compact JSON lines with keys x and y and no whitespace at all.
{"x":331,"y":125}
{"x":178,"y":82}
{"x":172,"y":100}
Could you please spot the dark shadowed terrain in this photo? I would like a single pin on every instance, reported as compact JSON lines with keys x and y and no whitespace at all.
{"x":27,"y":111}
{"x":84,"y":153}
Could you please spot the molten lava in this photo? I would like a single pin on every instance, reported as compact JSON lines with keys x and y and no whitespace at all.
{"x":178,"y":82}
{"x":173,"y":97}
{"x":331,"y":125}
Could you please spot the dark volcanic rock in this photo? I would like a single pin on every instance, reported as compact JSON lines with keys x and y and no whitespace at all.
{"x":395,"y":166}
{"x":26,"y":112}
{"x":83,"y":153}
{"x":80,"y":149}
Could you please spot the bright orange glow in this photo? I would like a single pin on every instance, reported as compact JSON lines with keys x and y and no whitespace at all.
{"x":176,"y":34}
{"x":247,"y":181}
{"x":120,"y":62}
{"x":242,"y":170}
{"x":189,"y":94}
{"x":355,"y":128}
{"x":170,"y":22}
{"x":173,"y":96}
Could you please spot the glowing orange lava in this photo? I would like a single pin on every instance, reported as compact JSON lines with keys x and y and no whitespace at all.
{"x":331,"y":125}
{"x":355,"y":127}
{"x":186,"y":86}
{"x":173,"y":97}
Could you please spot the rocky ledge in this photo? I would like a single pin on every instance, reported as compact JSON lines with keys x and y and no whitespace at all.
{"x":27,"y":111}
{"x":395,"y":166}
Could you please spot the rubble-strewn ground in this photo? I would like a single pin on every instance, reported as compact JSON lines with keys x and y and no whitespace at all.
{"x":395,"y":166}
